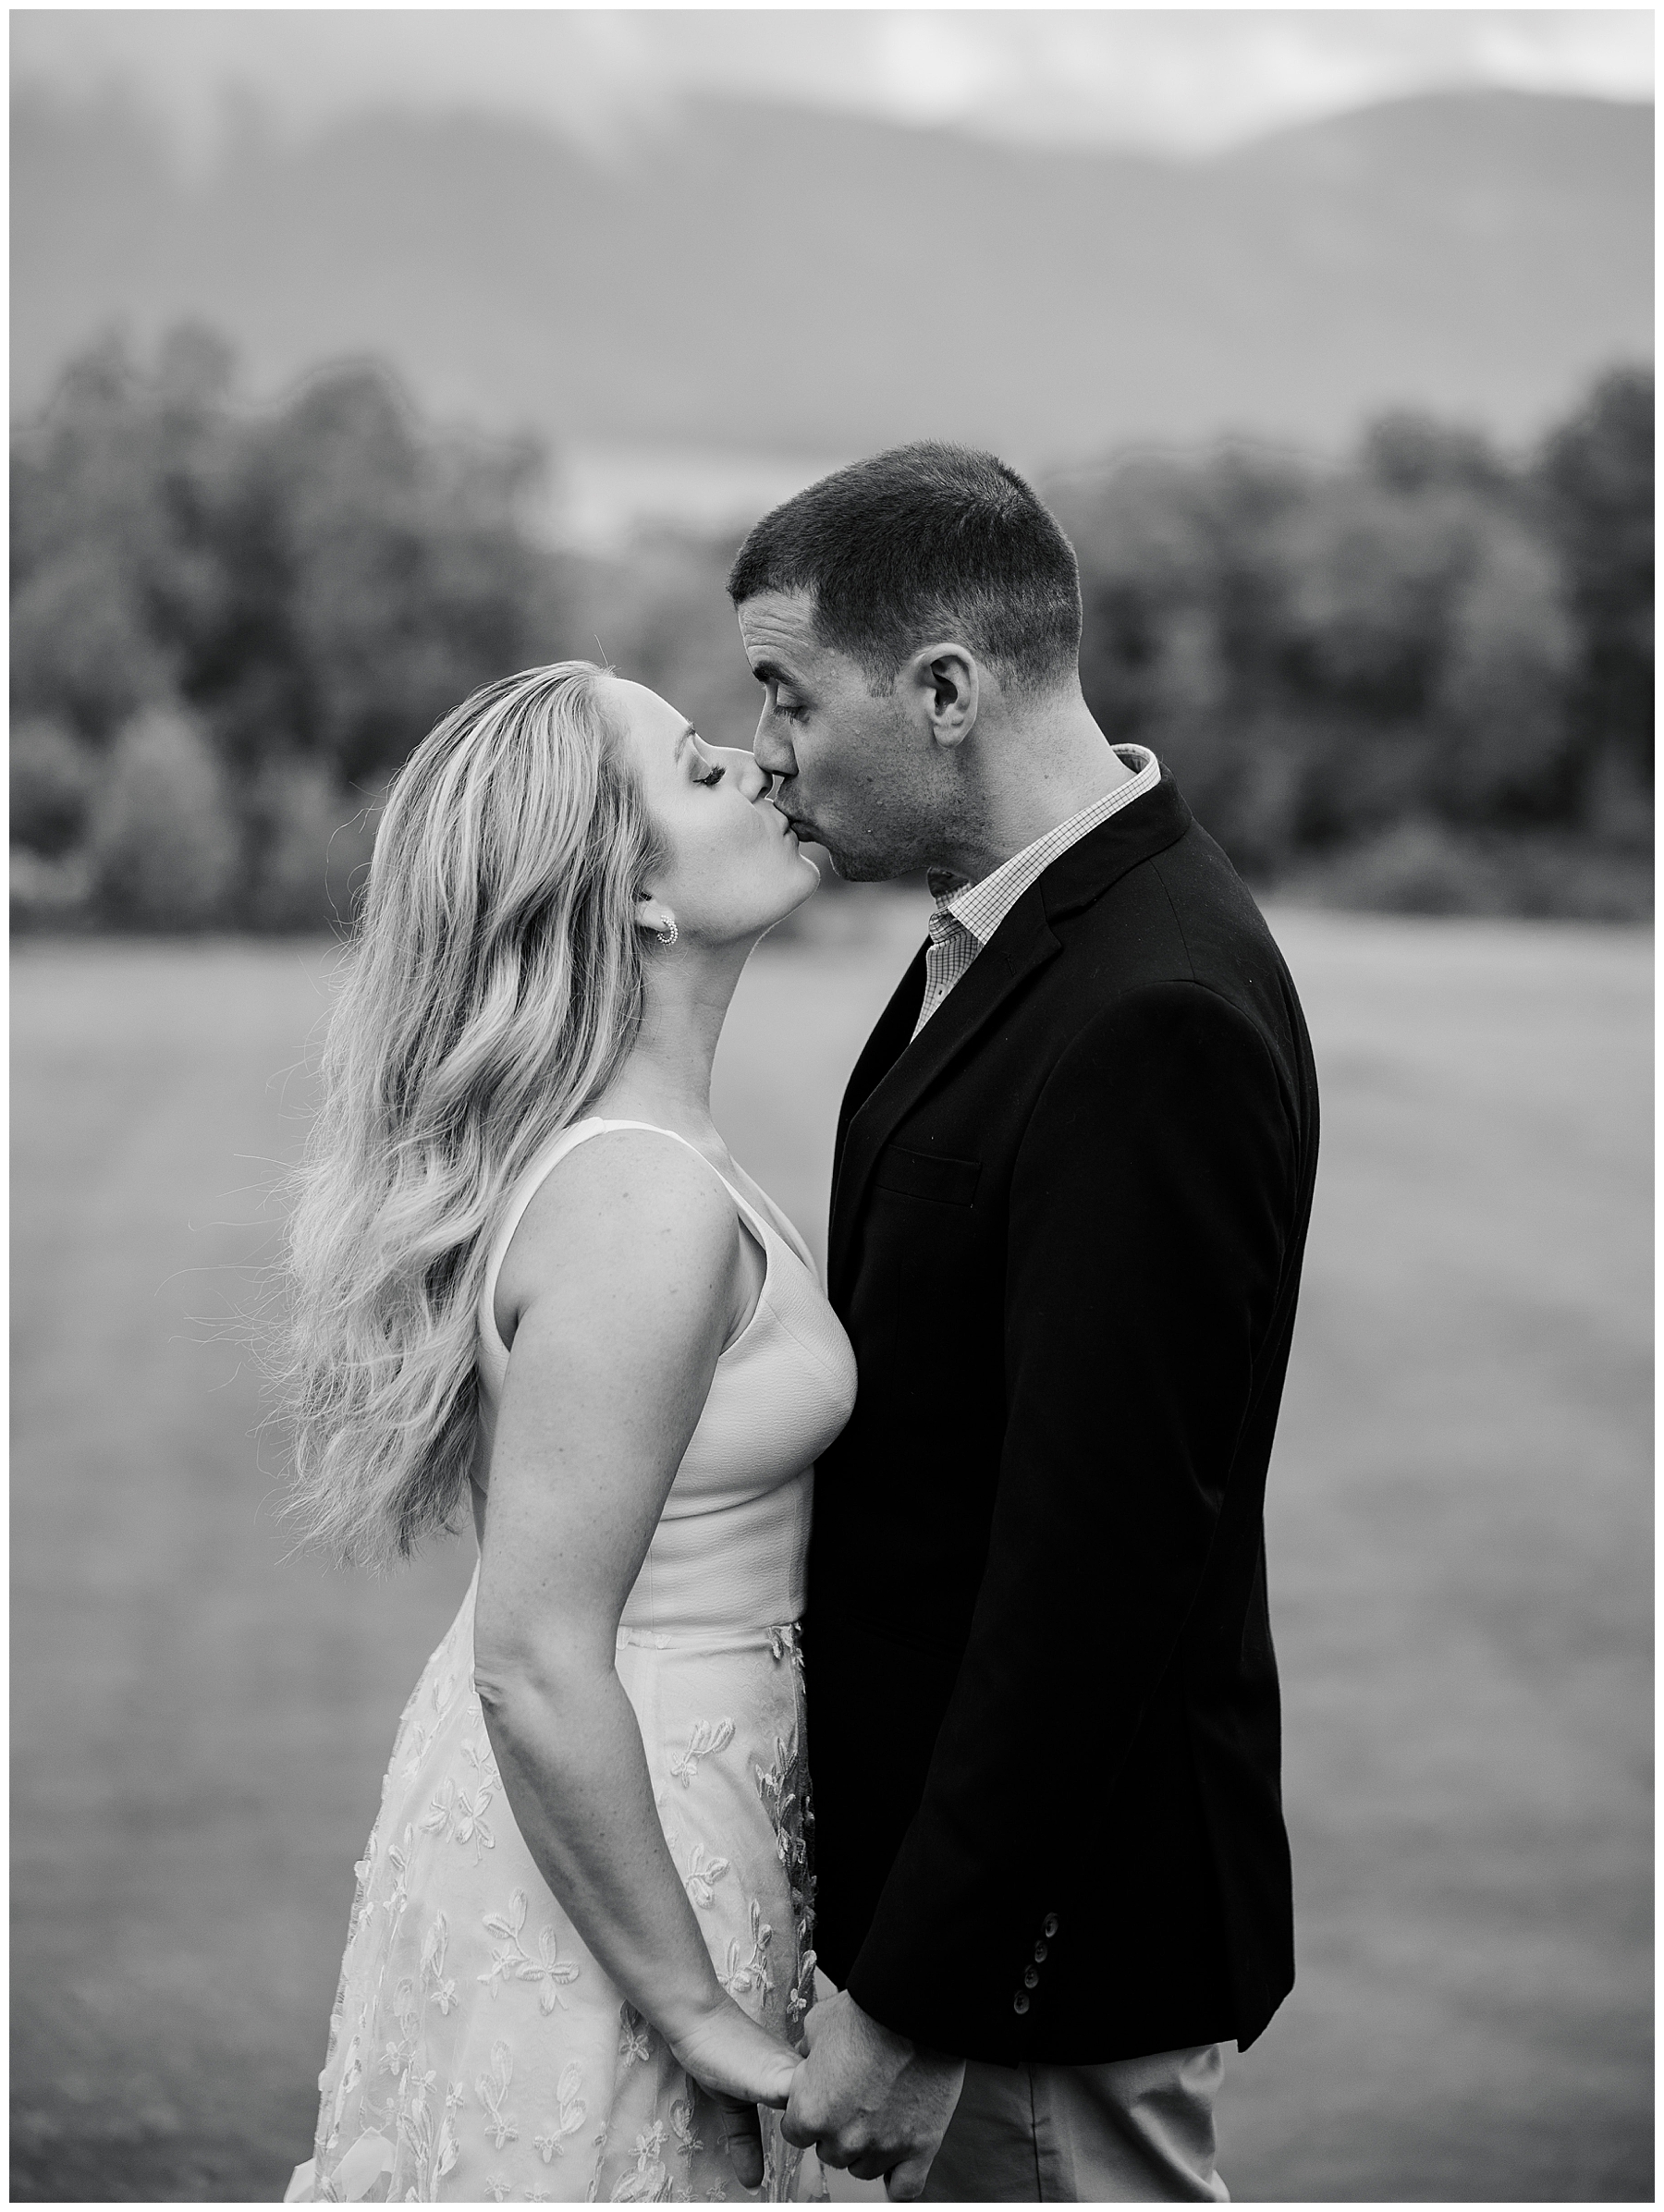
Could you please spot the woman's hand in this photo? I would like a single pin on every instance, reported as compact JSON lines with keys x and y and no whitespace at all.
{"x":740,"y":2066}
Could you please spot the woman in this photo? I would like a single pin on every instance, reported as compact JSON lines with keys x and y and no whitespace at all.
{"x":527,"y":1277}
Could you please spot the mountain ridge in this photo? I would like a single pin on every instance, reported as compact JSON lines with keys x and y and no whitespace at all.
{"x":755,"y":277}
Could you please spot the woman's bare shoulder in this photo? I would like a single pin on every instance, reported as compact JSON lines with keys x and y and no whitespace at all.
{"x":627,"y":1209}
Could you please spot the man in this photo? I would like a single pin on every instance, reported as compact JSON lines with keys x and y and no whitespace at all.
{"x":1073,"y":1171}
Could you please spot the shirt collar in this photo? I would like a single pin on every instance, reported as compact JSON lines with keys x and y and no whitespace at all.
{"x":978,"y":909}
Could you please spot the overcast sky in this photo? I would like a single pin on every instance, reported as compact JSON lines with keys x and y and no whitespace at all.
{"x":1180,"y":80}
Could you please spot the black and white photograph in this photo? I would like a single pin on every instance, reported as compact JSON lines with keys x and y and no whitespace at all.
{"x":832,"y":1100}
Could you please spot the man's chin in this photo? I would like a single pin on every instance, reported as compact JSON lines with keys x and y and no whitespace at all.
{"x":855,"y":868}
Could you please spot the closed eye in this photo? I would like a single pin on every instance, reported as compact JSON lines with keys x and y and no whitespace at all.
{"x":777,"y":703}
{"x":714,"y":770}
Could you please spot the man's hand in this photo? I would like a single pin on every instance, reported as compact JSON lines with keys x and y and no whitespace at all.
{"x":871,"y":2100}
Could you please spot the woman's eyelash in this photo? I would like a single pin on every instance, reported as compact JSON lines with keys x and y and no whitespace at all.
{"x":714,"y":777}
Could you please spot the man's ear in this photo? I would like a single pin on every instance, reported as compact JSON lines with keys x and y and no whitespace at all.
{"x":944,"y":685}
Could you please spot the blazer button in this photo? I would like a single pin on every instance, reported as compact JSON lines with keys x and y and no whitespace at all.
{"x":1039,"y":1951}
{"x":1020,"y":2002}
{"x":1048,"y":1927}
{"x":1031,"y":1978}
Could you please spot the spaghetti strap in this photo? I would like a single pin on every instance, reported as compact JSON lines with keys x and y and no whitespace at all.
{"x":537,"y":1173}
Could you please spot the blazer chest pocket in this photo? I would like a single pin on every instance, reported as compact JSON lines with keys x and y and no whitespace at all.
{"x":927,"y":1175}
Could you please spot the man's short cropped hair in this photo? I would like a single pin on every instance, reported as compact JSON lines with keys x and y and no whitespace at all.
{"x":921,"y":543}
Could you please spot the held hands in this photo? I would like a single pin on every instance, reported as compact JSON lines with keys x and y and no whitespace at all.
{"x":740,"y":2066}
{"x":871,"y":2100}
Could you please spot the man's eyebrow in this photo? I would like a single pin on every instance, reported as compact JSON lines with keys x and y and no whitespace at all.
{"x":770,"y":672}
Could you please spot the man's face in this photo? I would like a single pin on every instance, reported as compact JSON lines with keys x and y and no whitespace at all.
{"x":845,"y":756}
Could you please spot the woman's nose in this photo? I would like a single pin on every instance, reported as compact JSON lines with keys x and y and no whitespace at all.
{"x":751,"y":780}
{"x":754,"y":779}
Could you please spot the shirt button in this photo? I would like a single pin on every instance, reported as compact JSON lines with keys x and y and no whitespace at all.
{"x":1039,"y":1950}
{"x":1031,"y":1978}
{"x":1020,"y":2002}
{"x":1048,"y":1927}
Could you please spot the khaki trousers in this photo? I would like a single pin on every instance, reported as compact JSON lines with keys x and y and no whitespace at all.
{"x":1136,"y":2132}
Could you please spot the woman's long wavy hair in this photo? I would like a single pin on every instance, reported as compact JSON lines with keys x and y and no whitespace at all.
{"x":491,"y":987}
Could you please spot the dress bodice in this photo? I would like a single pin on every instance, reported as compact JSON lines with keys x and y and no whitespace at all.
{"x":728,"y":1552}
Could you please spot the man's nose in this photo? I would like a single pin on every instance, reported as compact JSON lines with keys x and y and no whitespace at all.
{"x":770,"y":750}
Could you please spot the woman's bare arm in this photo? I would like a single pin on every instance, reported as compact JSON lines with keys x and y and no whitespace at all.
{"x":628,"y":1274}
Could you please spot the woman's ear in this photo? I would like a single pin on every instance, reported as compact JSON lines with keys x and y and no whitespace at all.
{"x":653,"y":914}
{"x":944,"y":684}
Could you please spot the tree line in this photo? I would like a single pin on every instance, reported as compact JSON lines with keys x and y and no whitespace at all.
{"x":1419,"y":677}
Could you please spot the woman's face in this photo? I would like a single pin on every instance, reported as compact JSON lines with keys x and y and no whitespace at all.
{"x":731,"y":866}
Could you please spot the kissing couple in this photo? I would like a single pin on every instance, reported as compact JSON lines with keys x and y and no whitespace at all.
{"x":971,"y":1543}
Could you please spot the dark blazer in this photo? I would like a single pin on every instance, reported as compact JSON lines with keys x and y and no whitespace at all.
{"x":1067,"y":1228}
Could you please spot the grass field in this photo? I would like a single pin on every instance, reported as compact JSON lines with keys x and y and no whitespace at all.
{"x":1459,"y":1550}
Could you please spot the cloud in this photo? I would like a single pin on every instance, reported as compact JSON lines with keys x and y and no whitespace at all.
{"x":1181,"y":81}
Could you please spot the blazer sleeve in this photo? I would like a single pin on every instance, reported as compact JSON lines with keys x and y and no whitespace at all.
{"x":1149,"y":1212}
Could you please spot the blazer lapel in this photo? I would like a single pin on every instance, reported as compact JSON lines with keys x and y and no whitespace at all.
{"x":1022,"y":943}
{"x":1085,"y":870}
{"x":892,"y":1075}
{"x":878,"y":1055}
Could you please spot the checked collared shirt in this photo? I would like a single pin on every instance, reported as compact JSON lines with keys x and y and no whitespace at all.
{"x":962,"y":922}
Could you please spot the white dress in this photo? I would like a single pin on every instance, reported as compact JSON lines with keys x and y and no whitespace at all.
{"x":478,"y":2051}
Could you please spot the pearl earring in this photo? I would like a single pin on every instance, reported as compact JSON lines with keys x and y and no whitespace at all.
{"x":668,"y":935}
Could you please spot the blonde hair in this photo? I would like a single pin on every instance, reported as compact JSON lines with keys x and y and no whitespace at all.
{"x":491,"y":988}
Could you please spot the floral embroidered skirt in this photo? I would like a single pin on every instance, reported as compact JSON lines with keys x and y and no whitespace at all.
{"x":478,"y":2052}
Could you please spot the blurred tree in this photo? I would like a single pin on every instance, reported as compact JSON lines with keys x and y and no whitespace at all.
{"x":1596,"y":478}
{"x":163,"y":844}
{"x":81,"y":646}
{"x":329,"y":579}
{"x":1505,"y":748}
{"x":1183,"y":600}
{"x":108,"y":562}
{"x":1324,"y":654}
{"x":385,"y":574}
{"x":1402,"y":657}
{"x":1410,"y":452}
{"x":1427,"y":641}
{"x":52,"y":781}
{"x":311,"y":843}
{"x":318,"y":583}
